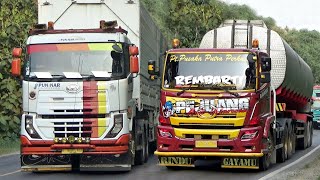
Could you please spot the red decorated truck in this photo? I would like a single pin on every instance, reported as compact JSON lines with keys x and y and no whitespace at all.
{"x":243,"y":98}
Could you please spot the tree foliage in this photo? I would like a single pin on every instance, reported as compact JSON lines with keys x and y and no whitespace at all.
{"x":15,"y":20}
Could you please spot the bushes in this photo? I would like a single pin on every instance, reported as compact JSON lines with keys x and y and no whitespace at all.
{"x":16,"y":18}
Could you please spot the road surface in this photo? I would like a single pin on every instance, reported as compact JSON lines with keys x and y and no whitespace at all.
{"x":10,"y":170}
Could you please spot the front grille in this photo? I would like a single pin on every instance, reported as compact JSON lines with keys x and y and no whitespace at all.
{"x":205,"y":136}
{"x":76,"y":129}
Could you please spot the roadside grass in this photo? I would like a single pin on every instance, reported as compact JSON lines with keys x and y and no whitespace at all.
{"x":9,"y":146}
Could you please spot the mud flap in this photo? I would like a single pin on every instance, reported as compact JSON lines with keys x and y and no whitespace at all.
{"x":240,"y":162}
{"x":46,"y":162}
{"x":176,"y":161}
{"x":105,"y":162}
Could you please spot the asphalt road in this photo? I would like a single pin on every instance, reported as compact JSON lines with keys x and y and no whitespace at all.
{"x":10,"y":169}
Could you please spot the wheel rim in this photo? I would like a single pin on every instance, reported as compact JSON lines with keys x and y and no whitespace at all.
{"x":289,"y":144}
{"x":285,"y":147}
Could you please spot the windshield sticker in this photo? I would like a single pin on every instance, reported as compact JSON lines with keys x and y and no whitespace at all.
{"x":72,"y":47}
{"x":208,"y":57}
{"x":229,"y":80}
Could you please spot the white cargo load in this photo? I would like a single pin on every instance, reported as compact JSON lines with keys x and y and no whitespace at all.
{"x":130,"y":15}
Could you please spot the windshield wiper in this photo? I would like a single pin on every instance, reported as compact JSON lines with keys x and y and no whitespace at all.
{"x":183,"y":90}
{"x":217,"y":86}
{"x":90,"y":76}
{"x":59,"y":77}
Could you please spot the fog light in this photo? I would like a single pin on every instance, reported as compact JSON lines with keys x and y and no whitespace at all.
{"x":56,"y":140}
{"x":87,"y":140}
{"x":64,"y":140}
{"x":71,"y":139}
{"x":79,"y":140}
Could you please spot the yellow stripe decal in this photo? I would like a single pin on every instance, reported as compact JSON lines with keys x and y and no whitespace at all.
{"x":218,"y":154}
{"x":280,"y":106}
{"x":232,"y":134}
{"x":102,"y":98}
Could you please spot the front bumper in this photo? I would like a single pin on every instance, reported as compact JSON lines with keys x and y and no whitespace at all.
{"x":224,"y":145}
{"x":226,"y":140}
{"x":102,"y":155}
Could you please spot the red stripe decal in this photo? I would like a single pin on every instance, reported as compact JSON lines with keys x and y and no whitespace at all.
{"x":90,"y":104}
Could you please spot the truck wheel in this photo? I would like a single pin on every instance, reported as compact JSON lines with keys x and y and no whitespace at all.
{"x":140,"y":154}
{"x":303,"y":142}
{"x":265,"y":160}
{"x":315,"y":125}
{"x":282,"y":153}
{"x":310,"y":133}
{"x":291,"y":141}
{"x":174,"y":167}
{"x":146,"y":147}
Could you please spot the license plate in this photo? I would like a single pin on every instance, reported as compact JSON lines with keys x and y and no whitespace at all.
{"x":206,"y":144}
{"x":234,"y":162}
{"x":72,"y":151}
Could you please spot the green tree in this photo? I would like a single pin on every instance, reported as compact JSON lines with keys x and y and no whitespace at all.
{"x":15,"y":20}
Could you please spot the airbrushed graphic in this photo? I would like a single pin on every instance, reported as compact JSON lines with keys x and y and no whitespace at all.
{"x":204,"y":108}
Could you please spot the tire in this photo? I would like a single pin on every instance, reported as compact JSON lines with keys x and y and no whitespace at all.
{"x":310,"y":134}
{"x":303,"y":142}
{"x":315,"y":125}
{"x":140,"y":154}
{"x":174,"y":168}
{"x":265,"y":160}
{"x":291,"y":141}
{"x":146,"y":147}
{"x":282,"y":153}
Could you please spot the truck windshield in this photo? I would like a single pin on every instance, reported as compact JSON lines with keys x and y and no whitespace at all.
{"x":316,"y":99}
{"x":229,"y":71}
{"x":83,"y":58}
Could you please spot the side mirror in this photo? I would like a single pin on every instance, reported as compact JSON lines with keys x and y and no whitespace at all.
{"x":134,"y":64}
{"x":265,"y":64}
{"x":16,"y":67}
{"x":265,"y":77}
{"x":17,"y":52}
{"x":133,"y":50}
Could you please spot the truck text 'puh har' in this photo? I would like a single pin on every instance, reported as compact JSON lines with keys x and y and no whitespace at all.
{"x":243,"y":98}
{"x":87,"y":101}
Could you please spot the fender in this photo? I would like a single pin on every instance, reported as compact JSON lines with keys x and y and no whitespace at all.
{"x":269,"y":120}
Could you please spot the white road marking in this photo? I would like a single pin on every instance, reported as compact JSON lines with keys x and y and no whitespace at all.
{"x":289,"y":165}
{"x":6,"y":155}
{"x":1,"y":175}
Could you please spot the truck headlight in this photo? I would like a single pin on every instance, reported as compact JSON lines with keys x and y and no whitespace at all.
{"x":29,"y":127}
{"x":117,"y":126}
